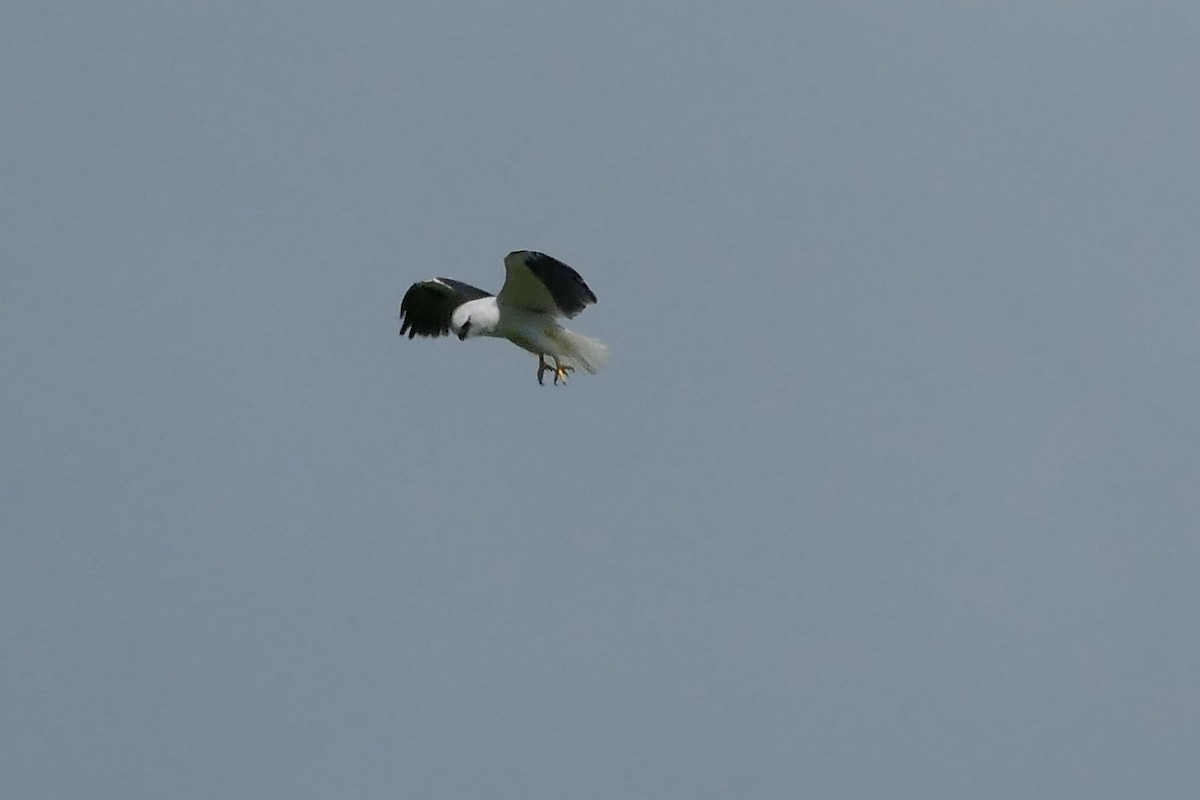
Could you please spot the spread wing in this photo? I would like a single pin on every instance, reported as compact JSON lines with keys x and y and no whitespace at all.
{"x":427,"y":306}
{"x":536,"y":282}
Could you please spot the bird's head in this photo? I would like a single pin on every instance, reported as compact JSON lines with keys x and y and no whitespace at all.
{"x":477,"y":318}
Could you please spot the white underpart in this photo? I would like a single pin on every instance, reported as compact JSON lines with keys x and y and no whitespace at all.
{"x":536,"y":332}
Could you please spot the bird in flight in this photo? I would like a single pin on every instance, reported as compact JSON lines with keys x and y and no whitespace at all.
{"x":537,"y":291}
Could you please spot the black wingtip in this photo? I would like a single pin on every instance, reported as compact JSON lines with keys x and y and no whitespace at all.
{"x":570,"y":292}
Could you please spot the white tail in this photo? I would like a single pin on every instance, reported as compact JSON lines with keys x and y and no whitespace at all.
{"x":583,"y":351}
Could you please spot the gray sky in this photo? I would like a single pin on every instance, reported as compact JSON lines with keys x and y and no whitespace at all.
{"x":890,"y":490}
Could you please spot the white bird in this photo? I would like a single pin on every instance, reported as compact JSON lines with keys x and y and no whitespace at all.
{"x":537,"y":291}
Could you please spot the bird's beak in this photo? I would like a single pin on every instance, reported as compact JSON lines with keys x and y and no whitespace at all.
{"x":462,"y":333}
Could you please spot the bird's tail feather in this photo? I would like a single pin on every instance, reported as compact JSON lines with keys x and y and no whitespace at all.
{"x":584,"y":351}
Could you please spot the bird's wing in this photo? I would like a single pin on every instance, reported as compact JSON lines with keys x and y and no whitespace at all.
{"x":536,"y":282}
{"x":427,"y":306}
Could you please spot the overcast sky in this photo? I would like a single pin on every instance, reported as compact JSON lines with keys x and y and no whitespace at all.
{"x":890,"y":491}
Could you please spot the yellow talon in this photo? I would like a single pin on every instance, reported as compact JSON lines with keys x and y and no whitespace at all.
{"x":560,"y":370}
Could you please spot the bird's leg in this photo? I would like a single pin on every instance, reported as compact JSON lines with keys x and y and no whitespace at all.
{"x":560,"y":372}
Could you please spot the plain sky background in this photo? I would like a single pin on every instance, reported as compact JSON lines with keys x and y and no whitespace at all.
{"x":892,"y":488}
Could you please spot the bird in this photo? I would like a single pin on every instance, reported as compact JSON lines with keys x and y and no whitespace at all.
{"x":538,"y":290}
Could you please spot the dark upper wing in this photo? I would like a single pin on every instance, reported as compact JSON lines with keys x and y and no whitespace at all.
{"x":536,"y":282}
{"x":427,"y":306}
